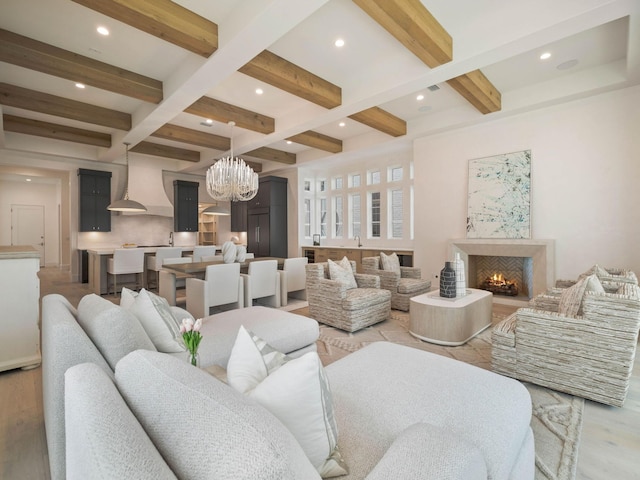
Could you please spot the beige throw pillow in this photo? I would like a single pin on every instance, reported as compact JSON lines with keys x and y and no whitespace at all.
{"x":390,"y":263}
{"x":571,"y":299}
{"x":342,"y":272}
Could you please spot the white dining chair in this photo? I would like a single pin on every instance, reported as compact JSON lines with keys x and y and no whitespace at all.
{"x":171,"y":282}
{"x":126,"y":261}
{"x":222,"y":285}
{"x":211,"y":258}
{"x":200,"y":251}
{"x":262,"y":281}
{"x":154,"y":262}
{"x":293,"y":279}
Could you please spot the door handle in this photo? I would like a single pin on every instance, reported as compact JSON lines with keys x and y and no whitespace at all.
{"x":257,"y":234}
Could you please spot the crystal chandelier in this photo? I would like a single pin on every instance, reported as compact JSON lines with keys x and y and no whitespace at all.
{"x":230,"y":179}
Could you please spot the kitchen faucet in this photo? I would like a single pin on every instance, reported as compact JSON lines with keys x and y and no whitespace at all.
{"x":171,"y":239}
{"x":358,"y":237}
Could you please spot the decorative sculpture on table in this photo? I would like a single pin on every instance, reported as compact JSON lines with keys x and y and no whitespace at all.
{"x":448,"y":281}
{"x":461,"y":283}
{"x":241,"y":253}
{"x":228,"y":252}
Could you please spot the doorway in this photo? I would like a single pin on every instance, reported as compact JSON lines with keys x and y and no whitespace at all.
{"x":27,"y":227}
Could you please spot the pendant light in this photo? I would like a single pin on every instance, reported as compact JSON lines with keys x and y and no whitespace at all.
{"x":216,"y":210}
{"x":126,"y":205}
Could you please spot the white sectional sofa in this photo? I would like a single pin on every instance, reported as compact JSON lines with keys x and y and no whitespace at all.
{"x":400,"y":412}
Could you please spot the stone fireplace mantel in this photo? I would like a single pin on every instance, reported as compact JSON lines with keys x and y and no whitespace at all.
{"x":542,"y":252}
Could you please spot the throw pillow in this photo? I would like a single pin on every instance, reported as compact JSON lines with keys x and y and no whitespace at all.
{"x":154,"y":313}
{"x":342,"y":272}
{"x":390,"y":263}
{"x":571,"y":299}
{"x":296,"y":391}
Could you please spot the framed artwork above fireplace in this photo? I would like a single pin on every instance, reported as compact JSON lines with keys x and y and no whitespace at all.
{"x":499,"y":196}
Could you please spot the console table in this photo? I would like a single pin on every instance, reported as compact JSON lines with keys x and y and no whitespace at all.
{"x":450,"y":321}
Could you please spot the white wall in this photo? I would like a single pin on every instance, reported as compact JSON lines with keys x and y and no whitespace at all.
{"x":585,"y":181}
{"x":23,"y":193}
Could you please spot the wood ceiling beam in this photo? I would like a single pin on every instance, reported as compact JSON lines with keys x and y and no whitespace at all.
{"x":27,"y":99}
{"x":273,"y":155}
{"x":28,"y":126}
{"x":478,"y":91}
{"x":413,"y":26}
{"x":39,"y":56}
{"x":274,"y":70}
{"x":193,"y":137}
{"x":377,"y":118}
{"x":208,"y":107}
{"x":318,"y":140}
{"x":166,"y":151}
{"x":257,"y":167}
{"x":164,"y":19}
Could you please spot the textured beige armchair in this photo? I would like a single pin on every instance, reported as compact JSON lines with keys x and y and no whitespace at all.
{"x":589,"y":355}
{"x":615,"y":275}
{"x":333,"y":303}
{"x":402,"y":286}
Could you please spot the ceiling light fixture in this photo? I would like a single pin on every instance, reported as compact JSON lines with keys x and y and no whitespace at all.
{"x":339,"y":43}
{"x":80,"y":85}
{"x":259,"y":91}
{"x":209,"y":121}
{"x":103,"y":30}
{"x":216,"y":210}
{"x":342,"y":124}
{"x":230,"y":179}
{"x":420,"y":97}
{"x":126,"y":205}
{"x":289,"y":142}
{"x":545,"y":56}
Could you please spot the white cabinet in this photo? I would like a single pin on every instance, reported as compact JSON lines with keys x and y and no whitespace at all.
{"x":20,"y":300}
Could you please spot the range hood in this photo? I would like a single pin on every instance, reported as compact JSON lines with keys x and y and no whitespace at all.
{"x":146,"y":185}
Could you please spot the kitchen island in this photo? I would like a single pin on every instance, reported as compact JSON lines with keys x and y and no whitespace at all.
{"x":99,"y":257}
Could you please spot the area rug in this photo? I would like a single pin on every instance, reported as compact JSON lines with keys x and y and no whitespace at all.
{"x":557,"y":417}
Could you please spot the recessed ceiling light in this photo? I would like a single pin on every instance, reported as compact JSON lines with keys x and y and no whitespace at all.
{"x":545,"y":55}
{"x":342,"y":124}
{"x":28,"y":179}
{"x":209,"y":121}
{"x":80,"y":85}
{"x":567,"y":65}
{"x":339,"y":43}
{"x":289,"y":142}
{"x":103,"y":30}
{"x":259,"y":91}
{"x":420,"y":97}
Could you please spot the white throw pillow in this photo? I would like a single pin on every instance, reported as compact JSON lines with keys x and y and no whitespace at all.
{"x":154,"y":313}
{"x":342,"y":272}
{"x":390,"y":263}
{"x":296,"y":391}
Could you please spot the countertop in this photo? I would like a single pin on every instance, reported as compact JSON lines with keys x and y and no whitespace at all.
{"x":18,"y":251}
{"x":110,"y":250}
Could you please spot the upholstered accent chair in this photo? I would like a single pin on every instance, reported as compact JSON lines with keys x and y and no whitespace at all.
{"x":222,"y":285}
{"x":615,"y":275}
{"x":333,"y":303}
{"x":402,"y":284}
{"x":589,"y":354}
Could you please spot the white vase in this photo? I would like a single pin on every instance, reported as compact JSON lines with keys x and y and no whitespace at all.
{"x":241,"y":253}
{"x":228,"y":252}
{"x":461,"y":283}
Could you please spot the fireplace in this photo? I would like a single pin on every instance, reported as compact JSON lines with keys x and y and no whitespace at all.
{"x":516,"y":269}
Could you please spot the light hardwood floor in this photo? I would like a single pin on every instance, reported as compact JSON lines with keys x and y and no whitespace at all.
{"x":609,"y":448}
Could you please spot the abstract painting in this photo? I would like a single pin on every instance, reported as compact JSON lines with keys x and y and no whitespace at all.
{"x":498,"y":204}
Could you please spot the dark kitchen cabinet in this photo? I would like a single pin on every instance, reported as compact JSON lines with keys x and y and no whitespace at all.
{"x":185,"y":206}
{"x":238,"y":216}
{"x":94,"y":188}
{"x":267,"y":219}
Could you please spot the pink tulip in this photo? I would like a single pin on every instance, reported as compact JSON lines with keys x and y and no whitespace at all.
{"x":188,"y":324}
{"x":182,"y":329}
{"x":198,"y":325}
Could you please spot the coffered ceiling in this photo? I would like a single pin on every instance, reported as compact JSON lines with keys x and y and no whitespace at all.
{"x":170,"y":75}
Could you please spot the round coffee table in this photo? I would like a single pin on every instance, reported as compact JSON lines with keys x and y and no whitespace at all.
{"x":450,"y":321}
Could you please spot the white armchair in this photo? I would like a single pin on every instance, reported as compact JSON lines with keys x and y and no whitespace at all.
{"x":293,"y":279}
{"x":222,"y":285}
{"x":154,"y":262}
{"x":262,"y":280}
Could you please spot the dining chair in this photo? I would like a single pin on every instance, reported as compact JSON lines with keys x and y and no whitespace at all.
{"x":222,"y":285}
{"x":200,"y":251}
{"x":170,"y":282}
{"x":125,"y":261}
{"x":292,"y":279}
{"x":262,"y":281}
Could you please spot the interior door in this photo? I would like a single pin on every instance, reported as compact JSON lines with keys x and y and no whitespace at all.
{"x":27,"y":227}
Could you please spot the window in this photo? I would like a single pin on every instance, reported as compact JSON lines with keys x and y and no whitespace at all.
{"x":337,"y":183}
{"x":375,"y":215}
{"x":395,"y":174}
{"x":322,"y":185}
{"x":337,"y":208}
{"x":396,"y":213}
{"x":355,"y":214}
{"x":307,"y":218}
{"x":412,"y":212}
{"x":323,"y":218}
{"x":354,"y":180}
{"x":307,"y":185}
{"x":373,"y":177}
